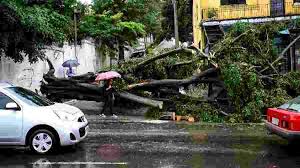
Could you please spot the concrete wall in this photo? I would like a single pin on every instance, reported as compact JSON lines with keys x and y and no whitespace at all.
{"x":29,"y":75}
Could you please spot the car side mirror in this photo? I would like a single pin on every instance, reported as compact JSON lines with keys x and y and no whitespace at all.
{"x":12,"y":106}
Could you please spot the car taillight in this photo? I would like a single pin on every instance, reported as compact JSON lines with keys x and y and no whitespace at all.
{"x":291,"y":126}
{"x":269,"y":118}
{"x":284,"y":124}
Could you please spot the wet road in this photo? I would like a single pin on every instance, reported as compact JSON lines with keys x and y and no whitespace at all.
{"x":135,"y":142}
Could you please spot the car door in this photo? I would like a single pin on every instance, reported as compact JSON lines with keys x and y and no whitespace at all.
{"x":11,"y":121}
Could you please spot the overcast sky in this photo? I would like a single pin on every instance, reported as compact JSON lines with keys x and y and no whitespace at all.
{"x":86,"y":1}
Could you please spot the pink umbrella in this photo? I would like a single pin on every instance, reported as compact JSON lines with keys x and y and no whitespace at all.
{"x":107,"y":75}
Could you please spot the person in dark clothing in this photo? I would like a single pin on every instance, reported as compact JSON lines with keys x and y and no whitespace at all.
{"x":108,"y":91}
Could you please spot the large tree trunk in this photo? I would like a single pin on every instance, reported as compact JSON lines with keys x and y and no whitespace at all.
{"x":197,"y":78}
{"x":81,"y":87}
{"x":142,"y":100}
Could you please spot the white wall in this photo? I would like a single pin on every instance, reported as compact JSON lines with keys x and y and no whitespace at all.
{"x":29,"y":75}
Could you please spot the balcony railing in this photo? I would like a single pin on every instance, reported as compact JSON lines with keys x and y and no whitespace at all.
{"x":250,"y":11}
{"x":292,"y":9}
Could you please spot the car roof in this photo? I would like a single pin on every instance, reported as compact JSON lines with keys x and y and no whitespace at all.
{"x":4,"y":84}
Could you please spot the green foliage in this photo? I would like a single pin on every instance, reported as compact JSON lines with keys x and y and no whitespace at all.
{"x":152,"y":21}
{"x":204,"y":112}
{"x":120,"y":84}
{"x":49,"y":23}
{"x":153,"y":113}
{"x":29,"y":27}
{"x":239,"y":28}
{"x":132,"y":30}
{"x":155,"y":70}
{"x":102,"y":27}
{"x":45,"y":19}
{"x":168,"y":68}
{"x":232,"y":78}
{"x":245,"y":50}
{"x":296,"y":22}
{"x":212,"y":13}
{"x":111,"y":30}
{"x":137,"y":17}
{"x":112,"y":21}
{"x":276,"y":97}
{"x":117,"y":23}
{"x":197,"y":91}
{"x":161,"y":69}
{"x":291,"y":83}
{"x":209,"y":113}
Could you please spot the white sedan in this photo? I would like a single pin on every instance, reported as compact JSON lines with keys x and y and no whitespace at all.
{"x":27,"y":119}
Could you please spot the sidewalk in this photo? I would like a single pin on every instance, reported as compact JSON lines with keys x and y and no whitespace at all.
{"x":124,"y":119}
{"x":95,"y":108}
{"x":92,"y":111}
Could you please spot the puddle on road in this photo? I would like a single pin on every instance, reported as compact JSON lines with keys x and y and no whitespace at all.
{"x":245,"y":146}
{"x":271,"y":153}
{"x":231,"y":150}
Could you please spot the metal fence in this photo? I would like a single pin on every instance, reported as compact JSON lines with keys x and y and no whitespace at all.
{"x":292,"y":8}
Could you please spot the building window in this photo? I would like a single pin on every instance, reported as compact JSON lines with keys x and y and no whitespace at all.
{"x":230,"y":2}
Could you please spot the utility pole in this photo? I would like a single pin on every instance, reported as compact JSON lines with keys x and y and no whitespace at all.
{"x":176,"y":24}
{"x":75,"y":29}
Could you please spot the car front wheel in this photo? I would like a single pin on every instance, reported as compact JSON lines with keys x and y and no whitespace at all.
{"x":42,"y":141}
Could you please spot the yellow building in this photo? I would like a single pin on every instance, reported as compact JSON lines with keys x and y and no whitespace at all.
{"x":210,"y":16}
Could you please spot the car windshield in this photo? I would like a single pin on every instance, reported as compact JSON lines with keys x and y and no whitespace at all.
{"x":29,"y":97}
{"x":293,"y":105}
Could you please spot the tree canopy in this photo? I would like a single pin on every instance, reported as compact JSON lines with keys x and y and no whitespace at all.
{"x":27,"y":26}
{"x":244,"y":69}
{"x":146,"y":12}
{"x":117,"y":22}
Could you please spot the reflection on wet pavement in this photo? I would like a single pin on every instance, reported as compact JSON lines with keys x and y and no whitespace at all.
{"x":159,"y":146}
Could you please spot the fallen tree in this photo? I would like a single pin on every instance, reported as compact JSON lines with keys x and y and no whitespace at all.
{"x":239,"y":78}
{"x":82,"y":87}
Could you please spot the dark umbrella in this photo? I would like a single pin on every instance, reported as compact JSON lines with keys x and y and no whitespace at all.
{"x":71,"y":63}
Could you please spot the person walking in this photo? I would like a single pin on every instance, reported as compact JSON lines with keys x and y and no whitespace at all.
{"x":70,"y":72}
{"x":109,"y":96}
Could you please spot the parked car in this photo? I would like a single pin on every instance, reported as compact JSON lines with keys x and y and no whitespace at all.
{"x":285,"y":120}
{"x":28,"y":119}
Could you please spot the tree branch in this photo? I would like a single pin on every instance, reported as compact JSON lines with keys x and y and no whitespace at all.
{"x":150,"y":60}
{"x":281,"y":55}
{"x":174,"y":82}
{"x":142,"y":100}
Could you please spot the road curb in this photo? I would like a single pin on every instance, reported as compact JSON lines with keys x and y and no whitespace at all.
{"x":134,"y":119}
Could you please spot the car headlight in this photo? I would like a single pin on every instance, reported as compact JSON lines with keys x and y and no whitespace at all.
{"x":63,"y":115}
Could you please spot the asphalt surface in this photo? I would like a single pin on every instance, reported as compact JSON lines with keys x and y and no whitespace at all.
{"x":132,"y":141}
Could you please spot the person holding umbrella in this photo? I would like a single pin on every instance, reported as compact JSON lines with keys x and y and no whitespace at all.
{"x":69,"y":72}
{"x":108,"y":91}
{"x":70,"y":64}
